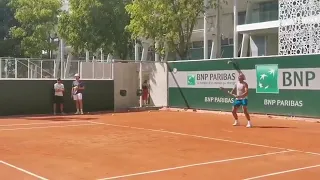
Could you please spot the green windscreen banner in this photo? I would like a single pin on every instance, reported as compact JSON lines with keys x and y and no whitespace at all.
{"x":287,"y":85}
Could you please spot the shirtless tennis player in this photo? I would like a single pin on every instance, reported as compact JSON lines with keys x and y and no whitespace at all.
{"x":240,"y":91}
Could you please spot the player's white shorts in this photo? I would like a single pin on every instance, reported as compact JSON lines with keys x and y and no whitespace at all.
{"x":77,"y":96}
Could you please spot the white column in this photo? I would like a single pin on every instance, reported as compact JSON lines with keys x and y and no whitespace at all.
{"x":102,"y":55}
{"x":217,"y":44}
{"x":62,"y":57}
{"x":157,"y":55}
{"x":245,"y":38}
{"x":205,"y":31}
{"x":235,"y":32}
{"x":213,"y":53}
{"x":136,"y":51}
{"x":68,"y":65}
{"x":87,"y":56}
{"x":145,"y":49}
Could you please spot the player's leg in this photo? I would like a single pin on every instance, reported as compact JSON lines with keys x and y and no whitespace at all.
{"x":54,"y":108}
{"x":55,"y":105}
{"x":61,"y":101}
{"x":245,"y":111}
{"x":144,"y":98}
{"x":75,"y":98}
{"x":234,"y":112}
{"x":80,"y":102}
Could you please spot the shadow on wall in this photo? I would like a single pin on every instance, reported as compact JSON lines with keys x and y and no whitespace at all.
{"x":157,"y":73}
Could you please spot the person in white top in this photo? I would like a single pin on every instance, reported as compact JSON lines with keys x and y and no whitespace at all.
{"x":58,"y":96}
{"x":240,"y":91}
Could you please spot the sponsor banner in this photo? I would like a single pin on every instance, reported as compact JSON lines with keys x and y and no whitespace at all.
{"x":265,"y":78}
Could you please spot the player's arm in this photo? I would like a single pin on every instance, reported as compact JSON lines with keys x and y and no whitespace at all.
{"x":233,"y":91}
{"x":62,"y":88}
{"x":55,"y":88}
{"x":81,"y":86}
{"x":246,"y":91}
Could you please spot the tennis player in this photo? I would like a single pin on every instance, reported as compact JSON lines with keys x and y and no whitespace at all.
{"x":58,"y":96}
{"x":77,"y":90}
{"x":240,"y":91}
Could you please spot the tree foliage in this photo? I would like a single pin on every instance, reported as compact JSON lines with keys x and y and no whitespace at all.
{"x":9,"y":47}
{"x":37,"y":19}
{"x":95,"y":24}
{"x":169,"y":21}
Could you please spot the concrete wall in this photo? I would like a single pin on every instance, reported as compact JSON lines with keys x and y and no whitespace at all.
{"x":158,"y":84}
{"x":126,"y":77}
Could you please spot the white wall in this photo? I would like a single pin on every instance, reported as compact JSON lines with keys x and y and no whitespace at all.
{"x":126,"y":77}
{"x":158,"y":84}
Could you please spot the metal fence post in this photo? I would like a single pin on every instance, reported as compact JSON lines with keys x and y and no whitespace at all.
{"x":103,"y":65}
{"x":79,"y":67}
{"x":92,"y":69}
{"x":0,"y":68}
{"x":41,"y":68}
{"x":28,"y":68}
{"x":15,"y":68}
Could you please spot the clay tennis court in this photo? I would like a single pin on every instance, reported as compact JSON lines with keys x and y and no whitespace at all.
{"x":157,"y":145}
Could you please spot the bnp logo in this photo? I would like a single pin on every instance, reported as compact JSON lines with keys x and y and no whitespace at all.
{"x":191,"y":79}
{"x":267,"y":78}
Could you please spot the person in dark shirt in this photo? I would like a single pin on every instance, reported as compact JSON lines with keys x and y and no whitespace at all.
{"x":77,"y":90}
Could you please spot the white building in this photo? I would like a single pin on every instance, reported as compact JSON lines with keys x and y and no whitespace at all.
{"x":265,"y":27}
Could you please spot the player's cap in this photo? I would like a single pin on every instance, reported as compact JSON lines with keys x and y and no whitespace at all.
{"x":58,"y":79}
{"x":76,"y":75}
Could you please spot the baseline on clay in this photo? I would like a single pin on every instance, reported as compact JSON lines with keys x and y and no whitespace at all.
{"x":23,"y":170}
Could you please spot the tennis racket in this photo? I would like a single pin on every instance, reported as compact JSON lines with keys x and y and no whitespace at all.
{"x":227,"y":92}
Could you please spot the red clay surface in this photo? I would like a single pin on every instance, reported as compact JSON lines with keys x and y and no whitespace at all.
{"x":157,"y":146}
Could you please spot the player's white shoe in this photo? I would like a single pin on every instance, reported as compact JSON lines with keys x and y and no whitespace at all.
{"x":236,"y":123}
{"x":249,"y":125}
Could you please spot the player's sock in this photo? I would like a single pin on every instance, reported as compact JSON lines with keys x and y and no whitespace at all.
{"x":236,"y":122}
{"x":249,"y":124}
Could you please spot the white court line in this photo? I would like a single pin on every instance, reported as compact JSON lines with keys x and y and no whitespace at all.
{"x":27,"y":124}
{"x":283,"y":172}
{"x":193,"y":165}
{"x":23,"y":170}
{"x":46,"y":127}
{"x":205,"y":137}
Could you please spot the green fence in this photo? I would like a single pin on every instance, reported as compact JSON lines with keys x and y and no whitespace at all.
{"x":277,"y":85}
{"x":21,"y":97}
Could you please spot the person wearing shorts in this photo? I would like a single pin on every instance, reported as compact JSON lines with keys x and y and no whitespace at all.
{"x":58,"y":96}
{"x":77,"y":90}
{"x":241,"y":91}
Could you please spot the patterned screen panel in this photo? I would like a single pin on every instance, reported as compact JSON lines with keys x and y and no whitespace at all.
{"x":299,"y":30}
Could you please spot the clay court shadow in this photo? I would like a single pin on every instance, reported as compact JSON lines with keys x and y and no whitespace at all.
{"x":59,"y":118}
{"x":273,"y":127}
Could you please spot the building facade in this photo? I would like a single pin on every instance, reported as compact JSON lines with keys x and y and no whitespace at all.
{"x":264,"y":28}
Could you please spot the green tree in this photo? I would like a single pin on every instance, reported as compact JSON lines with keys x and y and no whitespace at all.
{"x":37,"y":19}
{"x":170,"y":22}
{"x":9,"y":47}
{"x":95,"y":24}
